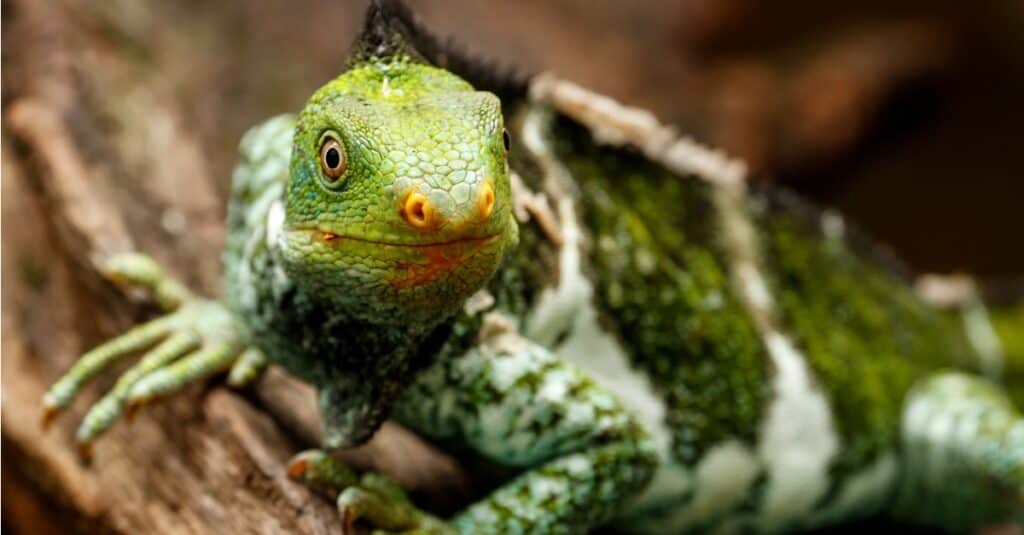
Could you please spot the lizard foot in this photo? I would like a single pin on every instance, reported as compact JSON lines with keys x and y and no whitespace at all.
{"x":197,"y":338}
{"x":371,"y":499}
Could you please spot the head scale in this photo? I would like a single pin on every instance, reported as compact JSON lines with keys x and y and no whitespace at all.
{"x":398,"y":207}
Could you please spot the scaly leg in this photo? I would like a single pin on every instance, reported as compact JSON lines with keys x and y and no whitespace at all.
{"x":581,"y":454}
{"x":196,"y":339}
{"x":963,"y":443}
{"x":515,"y":403}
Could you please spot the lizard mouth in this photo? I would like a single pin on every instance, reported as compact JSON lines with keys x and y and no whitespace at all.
{"x":412,"y":264}
{"x":331,"y":238}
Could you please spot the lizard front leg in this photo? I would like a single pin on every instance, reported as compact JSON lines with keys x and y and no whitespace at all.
{"x":370,"y":498}
{"x":196,"y":339}
{"x":582,"y":455}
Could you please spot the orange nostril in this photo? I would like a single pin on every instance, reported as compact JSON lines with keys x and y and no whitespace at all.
{"x":418,"y":211}
{"x":485,"y":203}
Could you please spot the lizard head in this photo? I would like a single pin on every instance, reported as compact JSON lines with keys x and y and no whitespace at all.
{"x":399,"y":202}
{"x":398,"y":208}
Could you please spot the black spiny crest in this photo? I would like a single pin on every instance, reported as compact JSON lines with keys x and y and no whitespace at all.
{"x":391,"y":30}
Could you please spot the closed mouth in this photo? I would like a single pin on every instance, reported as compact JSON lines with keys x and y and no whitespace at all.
{"x":332,"y":238}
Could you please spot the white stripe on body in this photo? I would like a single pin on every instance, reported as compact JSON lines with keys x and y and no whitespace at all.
{"x":568,"y":308}
{"x":797,"y":438}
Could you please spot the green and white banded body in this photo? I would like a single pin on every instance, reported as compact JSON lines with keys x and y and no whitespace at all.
{"x":602,"y":309}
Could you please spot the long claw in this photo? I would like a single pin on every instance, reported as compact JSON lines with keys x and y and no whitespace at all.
{"x":106,"y":411}
{"x":201,"y":364}
{"x":85,"y":452}
{"x":50,"y":413}
{"x":63,"y":391}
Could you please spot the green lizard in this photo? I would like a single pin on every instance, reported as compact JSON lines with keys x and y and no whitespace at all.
{"x":605,"y":308}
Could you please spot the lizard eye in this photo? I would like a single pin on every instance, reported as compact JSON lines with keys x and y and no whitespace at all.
{"x":332,"y":159}
{"x":506,"y":139}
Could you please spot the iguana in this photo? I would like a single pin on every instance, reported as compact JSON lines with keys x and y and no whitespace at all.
{"x":604,"y":309}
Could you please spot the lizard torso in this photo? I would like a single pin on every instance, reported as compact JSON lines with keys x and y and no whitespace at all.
{"x":785,"y":421}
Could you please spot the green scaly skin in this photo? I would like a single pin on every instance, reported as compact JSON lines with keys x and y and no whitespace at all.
{"x":679,"y":358}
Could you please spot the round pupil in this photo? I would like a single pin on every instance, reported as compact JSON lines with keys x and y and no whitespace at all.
{"x":505,"y":139}
{"x":332,"y":158}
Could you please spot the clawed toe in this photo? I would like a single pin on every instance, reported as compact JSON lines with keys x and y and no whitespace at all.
{"x":372,"y":498}
{"x":297,"y":467}
{"x":198,"y":339}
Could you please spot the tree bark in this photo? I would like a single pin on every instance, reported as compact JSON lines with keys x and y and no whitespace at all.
{"x":98,"y":159}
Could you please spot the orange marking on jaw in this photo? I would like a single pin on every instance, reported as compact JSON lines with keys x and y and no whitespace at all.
{"x":440,"y":261}
{"x":418,"y":211}
{"x":485,"y":200}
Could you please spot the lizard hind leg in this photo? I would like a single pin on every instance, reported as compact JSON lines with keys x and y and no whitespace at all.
{"x":963,"y":443}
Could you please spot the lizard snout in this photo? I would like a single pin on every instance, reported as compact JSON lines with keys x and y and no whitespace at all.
{"x":424,"y":213}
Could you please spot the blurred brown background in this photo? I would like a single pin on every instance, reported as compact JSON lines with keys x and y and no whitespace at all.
{"x":907,"y":114}
{"x":121,"y":120}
